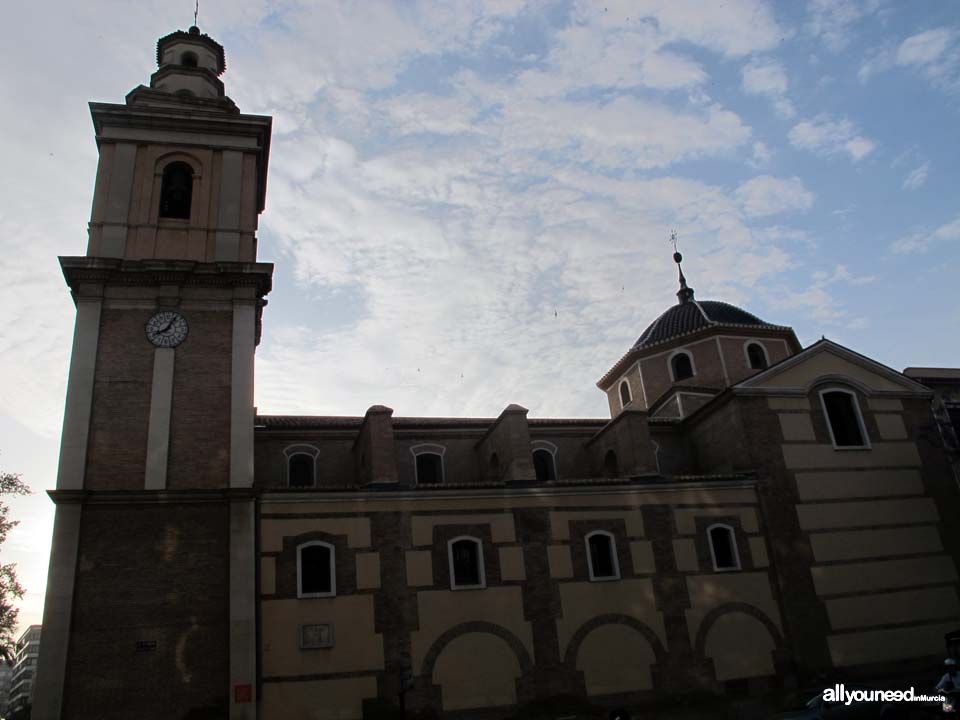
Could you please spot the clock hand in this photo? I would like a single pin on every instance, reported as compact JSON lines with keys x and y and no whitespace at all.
{"x":166,"y":327}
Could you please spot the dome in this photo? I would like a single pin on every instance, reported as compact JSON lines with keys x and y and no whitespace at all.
{"x":688,"y":317}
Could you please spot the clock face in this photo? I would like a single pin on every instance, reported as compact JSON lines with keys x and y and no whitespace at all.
{"x":167,"y":329}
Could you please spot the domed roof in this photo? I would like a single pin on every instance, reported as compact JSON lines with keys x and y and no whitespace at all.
{"x":693,"y":315}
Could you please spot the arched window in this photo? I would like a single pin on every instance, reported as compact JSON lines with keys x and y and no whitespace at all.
{"x":602,"y":556}
{"x":188,"y":59}
{"x":545,"y":462}
{"x":723,"y":547}
{"x":611,"y":468}
{"x":466,"y":563}
{"x":682,"y":366}
{"x":316,"y":575}
{"x":176,"y":191}
{"x":301,"y":461}
{"x":843,"y":418}
{"x":429,"y":463}
{"x":495,"y":466}
{"x":625,"y":394}
{"x":757,"y":356}
{"x":300,"y":470}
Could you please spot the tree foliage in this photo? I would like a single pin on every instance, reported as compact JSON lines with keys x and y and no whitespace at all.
{"x":10,"y":588}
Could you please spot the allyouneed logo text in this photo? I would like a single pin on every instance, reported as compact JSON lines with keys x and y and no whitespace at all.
{"x":840,"y":694}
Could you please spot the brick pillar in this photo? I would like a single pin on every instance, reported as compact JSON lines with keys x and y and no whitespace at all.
{"x":373,"y":452}
{"x":541,"y":608}
{"x":680,"y":670}
{"x":509,"y":438}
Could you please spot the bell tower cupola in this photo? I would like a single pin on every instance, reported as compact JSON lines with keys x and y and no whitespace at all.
{"x":190,"y":64}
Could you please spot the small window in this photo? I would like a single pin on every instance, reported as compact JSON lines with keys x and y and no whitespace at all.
{"x":429,"y":468}
{"x":756,"y":356}
{"x":301,"y":469}
{"x":495,"y":466}
{"x":466,"y":563}
{"x":176,"y":191}
{"x":315,"y":570}
{"x":682,"y":366}
{"x":723,"y":547}
{"x":611,"y":468}
{"x":625,"y":394}
{"x":188,"y":59}
{"x":602,"y":556}
{"x":544,"y":465}
{"x":843,"y":419}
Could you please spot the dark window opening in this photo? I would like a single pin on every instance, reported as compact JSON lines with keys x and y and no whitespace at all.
{"x":757,"y":357}
{"x":682,"y":367}
{"x":301,"y":470}
{"x":625,"y":394}
{"x":723,"y":544}
{"x":176,"y":191}
{"x":466,"y":563}
{"x":495,"y":466}
{"x":429,"y":469}
{"x":316,"y":563}
{"x":602,"y":561}
{"x":188,"y":59}
{"x":843,"y":419}
{"x":610,"y":467}
{"x":544,"y":466}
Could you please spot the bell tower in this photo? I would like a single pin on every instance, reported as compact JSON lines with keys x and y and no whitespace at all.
{"x":152,"y":566}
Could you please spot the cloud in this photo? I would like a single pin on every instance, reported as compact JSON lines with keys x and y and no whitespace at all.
{"x":934,"y":53}
{"x":921,"y":241}
{"x":833,"y":21}
{"x":925,"y":48}
{"x":768,"y":78}
{"x":819,"y":303}
{"x":765,"y":195}
{"x":827,"y":137}
{"x":762,"y":154}
{"x":917,"y":177}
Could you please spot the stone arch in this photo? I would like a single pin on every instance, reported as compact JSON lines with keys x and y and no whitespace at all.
{"x":501,"y":692}
{"x":752,"y":634}
{"x":628,"y":670}
{"x":573,"y":646}
{"x":476,"y":626}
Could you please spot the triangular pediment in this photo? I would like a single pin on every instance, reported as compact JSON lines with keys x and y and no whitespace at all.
{"x":828,"y":361}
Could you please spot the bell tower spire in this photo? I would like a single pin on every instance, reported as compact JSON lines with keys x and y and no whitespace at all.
{"x":684,"y":294}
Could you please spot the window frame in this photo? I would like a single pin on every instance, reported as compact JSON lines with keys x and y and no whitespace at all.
{"x":616,"y":463}
{"x":301,"y":449}
{"x":549,"y":447}
{"x":763,"y":349}
{"x":333,"y":570}
{"x":856,"y":410}
{"x":738,"y":565}
{"x":673,"y":374}
{"x":482,"y":573}
{"x":429,"y":449}
{"x":167,"y":165}
{"x":625,"y":384}
{"x":613,"y":556}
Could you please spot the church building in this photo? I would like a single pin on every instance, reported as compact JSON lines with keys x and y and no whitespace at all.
{"x":753,"y":516}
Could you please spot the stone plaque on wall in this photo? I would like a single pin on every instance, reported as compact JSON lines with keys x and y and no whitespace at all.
{"x":313,"y":637}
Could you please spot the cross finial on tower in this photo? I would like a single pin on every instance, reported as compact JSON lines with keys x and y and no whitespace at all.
{"x":196,"y":11}
{"x":684,"y":294}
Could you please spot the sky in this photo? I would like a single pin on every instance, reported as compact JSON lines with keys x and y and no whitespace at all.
{"x":469,"y":202}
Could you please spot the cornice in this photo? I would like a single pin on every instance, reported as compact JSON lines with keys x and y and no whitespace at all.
{"x":83,"y":270}
{"x":151,"y":497}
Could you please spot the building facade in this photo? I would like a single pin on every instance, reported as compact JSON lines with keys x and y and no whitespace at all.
{"x":753,"y":515}
{"x":21,"y":679}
